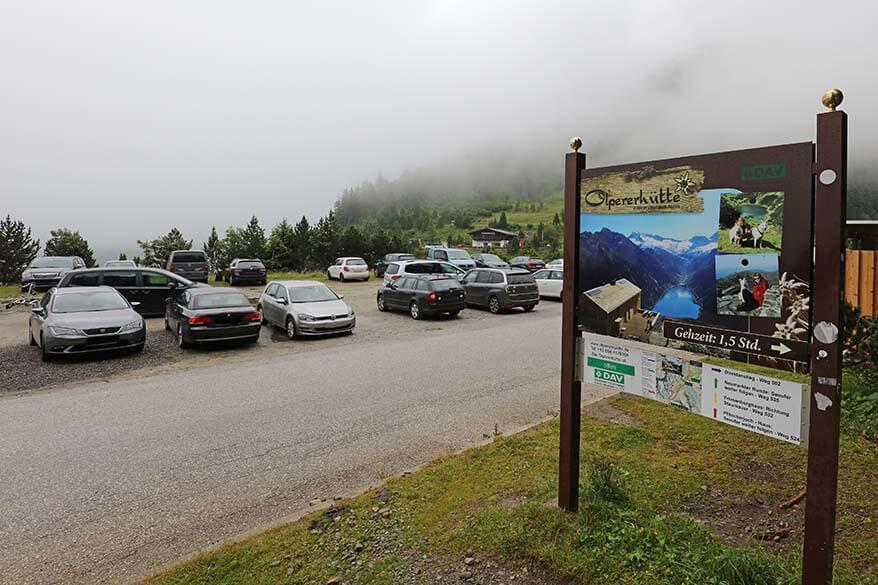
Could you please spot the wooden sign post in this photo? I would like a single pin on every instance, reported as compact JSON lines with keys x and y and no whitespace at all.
{"x":637,"y":345}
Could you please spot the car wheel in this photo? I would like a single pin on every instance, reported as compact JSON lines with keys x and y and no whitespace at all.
{"x":341,"y":276}
{"x":45,"y":355}
{"x":291,"y":328}
{"x":181,"y":342}
{"x":139,"y":348}
{"x":528,"y":308}
{"x":328,"y":275}
{"x":494,"y":305}
{"x":415,"y":310}
{"x":30,"y":334}
{"x":381,"y":306}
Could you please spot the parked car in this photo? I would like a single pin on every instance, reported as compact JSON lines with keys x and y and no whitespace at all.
{"x":191,"y":264}
{"x":454,"y":255}
{"x":557,"y":263}
{"x":46,"y":272}
{"x":206,"y":314}
{"x":423,"y":295}
{"x":530,"y":263}
{"x":145,"y":288}
{"x":499,"y":289}
{"x":396,"y":270}
{"x":72,"y":321}
{"x":120,"y":264}
{"x":348,"y":268}
{"x":305,"y":307}
{"x":549,"y":282}
{"x":489,"y":261}
{"x":245,"y":270}
{"x":381,"y":265}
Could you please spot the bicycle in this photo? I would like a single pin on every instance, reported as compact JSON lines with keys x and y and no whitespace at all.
{"x":30,"y":299}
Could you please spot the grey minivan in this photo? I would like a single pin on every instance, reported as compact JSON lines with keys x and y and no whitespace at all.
{"x":191,"y":264}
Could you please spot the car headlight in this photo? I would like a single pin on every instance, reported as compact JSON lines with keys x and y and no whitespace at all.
{"x":350,"y":312}
{"x":65,"y":331}
{"x":132,"y":326}
{"x":306,"y":317}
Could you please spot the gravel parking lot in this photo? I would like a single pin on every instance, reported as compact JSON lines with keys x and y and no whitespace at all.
{"x":22,"y":370}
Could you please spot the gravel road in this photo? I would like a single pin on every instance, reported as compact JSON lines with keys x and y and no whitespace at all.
{"x":21,"y":369}
{"x":105,"y":481}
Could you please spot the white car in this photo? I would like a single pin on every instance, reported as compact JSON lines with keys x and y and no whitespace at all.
{"x":400,"y":268}
{"x":557,"y":264}
{"x":348,"y":268}
{"x":550,"y":282}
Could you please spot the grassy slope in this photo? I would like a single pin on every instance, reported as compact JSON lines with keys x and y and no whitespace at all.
{"x":9,"y":291}
{"x":631,"y":529}
{"x":278,"y":276}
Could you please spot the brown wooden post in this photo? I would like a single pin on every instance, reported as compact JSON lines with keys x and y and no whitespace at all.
{"x":568,"y":472}
{"x":826,"y":347}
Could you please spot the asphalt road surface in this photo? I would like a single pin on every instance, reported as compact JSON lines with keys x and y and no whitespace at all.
{"x":107,"y":481}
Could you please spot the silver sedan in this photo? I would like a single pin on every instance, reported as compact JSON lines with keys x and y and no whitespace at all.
{"x":80,"y":320}
{"x":305,"y":308}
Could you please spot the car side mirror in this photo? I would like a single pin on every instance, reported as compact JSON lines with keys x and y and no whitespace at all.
{"x":135,"y":303}
{"x":339,"y":296}
{"x":38,"y":310}
{"x":281,"y":300}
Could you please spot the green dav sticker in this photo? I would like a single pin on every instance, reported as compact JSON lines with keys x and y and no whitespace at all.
{"x":763,"y":172}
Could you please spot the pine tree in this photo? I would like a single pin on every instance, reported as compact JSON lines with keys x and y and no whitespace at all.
{"x":503,"y":223}
{"x":155,"y":251}
{"x":17,"y":249}
{"x":302,"y":244}
{"x":65,"y":242}
{"x":216,"y":253}
{"x":123,"y":256}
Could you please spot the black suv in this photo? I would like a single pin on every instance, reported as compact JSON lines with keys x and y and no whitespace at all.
{"x":245,"y":270}
{"x":381,"y":265}
{"x":145,"y":288}
{"x":501,"y":288}
{"x":424,"y":294}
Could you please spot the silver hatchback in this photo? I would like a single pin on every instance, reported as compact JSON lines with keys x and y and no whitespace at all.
{"x":305,"y":308}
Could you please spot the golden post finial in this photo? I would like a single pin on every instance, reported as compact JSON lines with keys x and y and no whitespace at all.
{"x":832,"y":99}
{"x":576,"y":143}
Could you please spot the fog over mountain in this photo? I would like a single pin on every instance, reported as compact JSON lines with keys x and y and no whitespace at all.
{"x":122,"y":119}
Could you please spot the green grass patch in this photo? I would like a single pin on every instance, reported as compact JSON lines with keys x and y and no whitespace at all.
{"x":772,"y":242}
{"x":10,"y":291}
{"x":632,"y":528}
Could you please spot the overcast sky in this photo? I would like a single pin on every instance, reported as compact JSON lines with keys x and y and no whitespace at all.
{"x":123,"y":119}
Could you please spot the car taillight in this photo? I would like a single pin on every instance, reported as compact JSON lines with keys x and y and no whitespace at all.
{"x":530,"y":263}
{"x":170,"y":268}
{"x":235,"y":271}
{"x":205,"y":269}
{"x":346,"y":269}
{"x":464,"y":292}
{"x":431,"y":297}
{"x":200,"y":320}
{"x":254,"y":316}
{"x":395,"y":277}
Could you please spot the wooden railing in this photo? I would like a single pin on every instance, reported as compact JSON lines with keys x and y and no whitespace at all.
{"x":859,"y":286}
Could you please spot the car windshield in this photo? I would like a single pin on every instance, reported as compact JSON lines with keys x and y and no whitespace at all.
{"x":313,"y":293}
{"x":406,"y":257}
{"x":129,"y":263}
{"x":250,"y":264}
{"x":52,"y":262}
{"x":221,"y":299}
{"x":458,"y":255}
{"x":356,"y":262}
{"x":445,"y":284}
{"x":88,"y":302}
{"x":520,"y":279}
{"x":491,"y":258}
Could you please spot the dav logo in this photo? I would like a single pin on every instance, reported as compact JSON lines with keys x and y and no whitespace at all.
{"x":763,"y":172}
{"x":609,"y":376}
